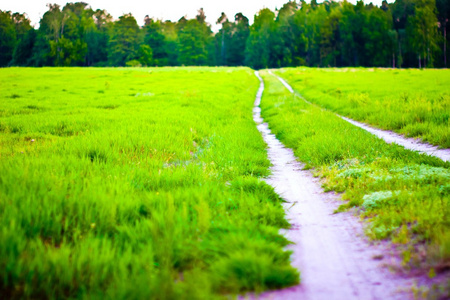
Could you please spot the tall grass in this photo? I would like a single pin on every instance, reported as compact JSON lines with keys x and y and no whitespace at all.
{"x":134,"y":184}
{"x":415,"y":103}
{"x":402,"y":195}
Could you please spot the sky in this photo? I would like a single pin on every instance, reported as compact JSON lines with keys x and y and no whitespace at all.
{"x":166,"y":10}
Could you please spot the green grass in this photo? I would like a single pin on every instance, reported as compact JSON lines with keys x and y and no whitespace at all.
{"x":403,"y":196}
{"x":412,"y":102}
{"x":135,"y":184}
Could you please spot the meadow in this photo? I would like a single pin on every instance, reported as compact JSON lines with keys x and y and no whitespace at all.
{"x":136,"y":183}
{"x":412,"y":102}
{"x":401,"y":195}
{"x":146,"y":182}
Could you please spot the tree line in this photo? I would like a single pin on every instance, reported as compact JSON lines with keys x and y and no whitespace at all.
{"x":406,"y":33}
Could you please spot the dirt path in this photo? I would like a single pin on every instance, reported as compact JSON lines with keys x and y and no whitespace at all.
{"x":334,"y":258}
{"x":389,"y":136}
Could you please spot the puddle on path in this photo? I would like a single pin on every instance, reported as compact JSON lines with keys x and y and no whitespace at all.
{"x":389,"y":136}
{"x":330,"y":250}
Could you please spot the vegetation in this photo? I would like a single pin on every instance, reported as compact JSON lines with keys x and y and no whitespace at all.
{"x":403,"y":195}
{"x":145,"y":182}
{"x":405,"y":33}
{"x":412,"y":102}
{"x":135,"y":183}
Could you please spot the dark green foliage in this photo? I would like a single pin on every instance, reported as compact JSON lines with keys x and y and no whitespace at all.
{"x":97,"y":39}
{"x":8,"y":37}
{"x":406,"y":33}
{"x":15,"y":32}
{"x":155,"y":39}
{"x":443,"y":15}
{"x":258,"y":54}
{"x":24,"y":50}
{"x":40,"y":55}
{"x":193,"y":42}
{"x":231,"y":40}
{"x":124,"y":42}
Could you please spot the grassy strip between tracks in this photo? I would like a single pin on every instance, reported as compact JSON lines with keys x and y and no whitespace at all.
{"x":415,"y":103}
{"x":135,"y":184}
{"x":405,"y":196}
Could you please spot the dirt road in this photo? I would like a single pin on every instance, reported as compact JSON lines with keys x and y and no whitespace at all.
{"x":330,"y":250}
{"x":389,"y":136}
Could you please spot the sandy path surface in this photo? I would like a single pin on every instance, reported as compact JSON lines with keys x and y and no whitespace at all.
{"x":389,"y":136}
{"x":330,"y":250}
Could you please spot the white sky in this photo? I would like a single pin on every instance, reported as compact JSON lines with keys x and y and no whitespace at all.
{"x":160,"y":9}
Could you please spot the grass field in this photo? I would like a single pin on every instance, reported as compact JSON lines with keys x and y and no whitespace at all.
{"x":145,"y":183}
{"x":403,"y":196}
{"x":413,"y":102}
{"x":135,"y":183}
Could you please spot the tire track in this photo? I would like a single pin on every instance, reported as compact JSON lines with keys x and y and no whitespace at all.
{"x":334,"y":258}
{"x":386,"y":135}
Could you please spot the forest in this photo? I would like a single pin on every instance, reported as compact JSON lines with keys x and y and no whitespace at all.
{"x":402,"y":34}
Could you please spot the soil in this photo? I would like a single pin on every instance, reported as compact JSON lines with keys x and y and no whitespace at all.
{"x":389,"y":136}
{"x":334,"y":257}
{"x":408,"y":143}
